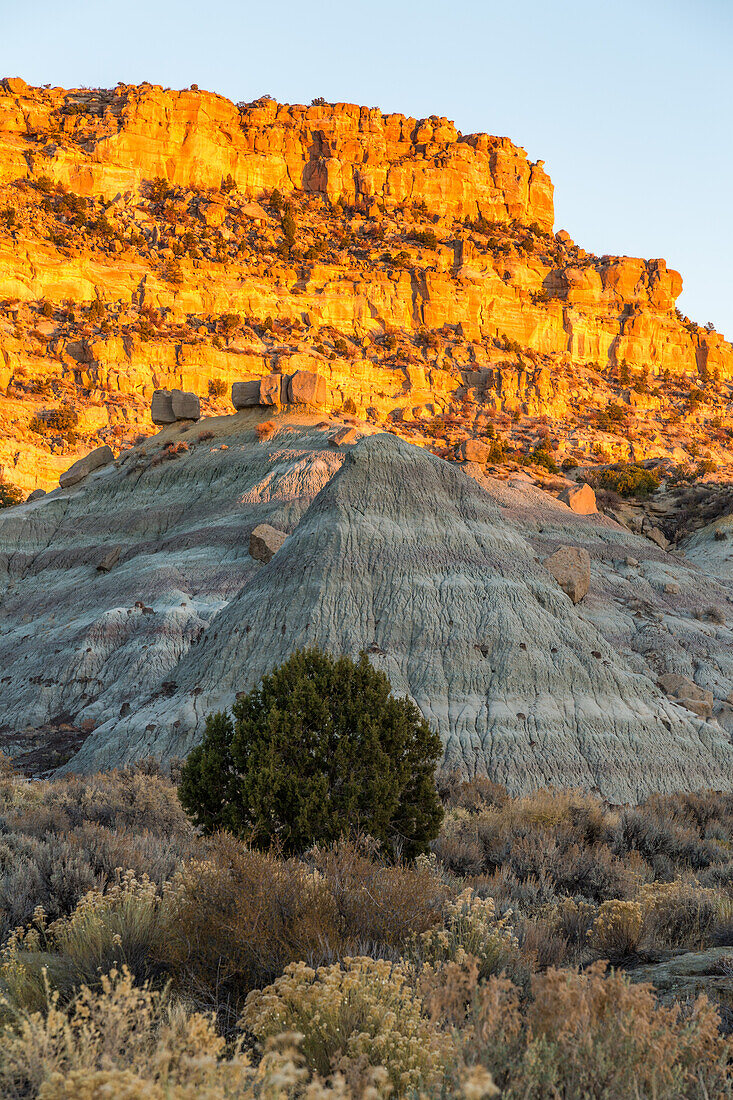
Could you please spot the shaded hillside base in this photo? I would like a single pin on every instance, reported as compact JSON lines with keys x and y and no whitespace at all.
{"x":481,"y":944}
{"x":39,"y":751}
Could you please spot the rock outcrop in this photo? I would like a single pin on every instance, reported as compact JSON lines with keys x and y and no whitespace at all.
{"x":570,"y":566}
{"x":168,"y":406}
{"x":100,"y":456}
{"x":265,"y":541}
{"x":142,"y":248}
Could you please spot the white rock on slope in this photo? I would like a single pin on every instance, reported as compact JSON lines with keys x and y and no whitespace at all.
{"x":404,"y":555}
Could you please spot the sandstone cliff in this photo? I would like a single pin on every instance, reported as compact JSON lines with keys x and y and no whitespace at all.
{"x":145,"y":243}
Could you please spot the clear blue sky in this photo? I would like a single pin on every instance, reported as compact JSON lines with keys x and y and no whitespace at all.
{"x":629,"y":102}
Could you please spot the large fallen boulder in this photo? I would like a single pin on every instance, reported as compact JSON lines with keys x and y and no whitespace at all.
{"x":186,"y":405}
{"x":265,"y":541}
{"x":306,"y":388}
{"x":687,"y":693}
{"x":100,"y":456}
{"x":161,"y":408}
{"x":570,"y":566}
{"x":580,"y":499}
{"x":273,"y":390}
{"x":344,"y":437}
{"x":246,"y":395}
{"x":473,"y":450}
{"x":168,"y":406}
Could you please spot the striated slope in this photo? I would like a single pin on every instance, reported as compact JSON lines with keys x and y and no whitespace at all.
{"x":399,"y":553}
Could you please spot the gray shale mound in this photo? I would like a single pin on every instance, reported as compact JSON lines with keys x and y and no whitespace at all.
{"x":437,"y":575}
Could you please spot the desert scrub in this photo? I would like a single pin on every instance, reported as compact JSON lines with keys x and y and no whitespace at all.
{"x":618,"y":930}
{"x":471,"y":927}
{"x":128,"y":925}
{"x":582,"y":1035}
{"x":684,"y":914}
{"x":242,"y":915}
{"x":355,"y":1014}
{"x":123,"y":1041}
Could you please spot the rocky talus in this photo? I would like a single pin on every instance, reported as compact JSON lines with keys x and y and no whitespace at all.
{"x":131,"y":606}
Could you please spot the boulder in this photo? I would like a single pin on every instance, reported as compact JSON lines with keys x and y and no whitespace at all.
{"x":100,"y":456}
{"x":186,"y":405}
{"x":265,"y":541}
{"x":245,"y":395}
{"x":473,"y":450}
{"x":344,"y":437}
{"x":570,"y":566}
{"x":36,"y":495}
{"x":581,"y":500}
{"x":271,"y":389}
{"x":109,"y":560}
{"x":687,"y":693}
{"x":254,"y":211}
{"x":161,"y":407}
{"x":306,"y":388}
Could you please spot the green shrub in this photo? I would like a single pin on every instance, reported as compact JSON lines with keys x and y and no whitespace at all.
{"x":217,"y":387}
{"x":9,"y":495}
{"x":629,"y":480}
{"x":425,"y":237}
{"x":319,"y":749}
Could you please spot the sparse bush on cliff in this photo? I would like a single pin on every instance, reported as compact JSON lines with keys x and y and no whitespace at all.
{"x":425,"y":237}
{"x":158,"y":189}
{"x":629,"y":480}
{"x":319,"y":749}
{"x":62,"y":422}
{"x":218,"y":387}
{"x":9,"y":495}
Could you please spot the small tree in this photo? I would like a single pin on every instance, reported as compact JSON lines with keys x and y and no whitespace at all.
{"x":319,"y":749}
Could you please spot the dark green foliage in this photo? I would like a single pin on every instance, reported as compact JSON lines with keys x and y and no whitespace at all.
{"x":61,"y":421}
{"x":425,"y":237}
{"x":288,"y":228}
{"x":9,"y":495}
{"x":319,"y":749}
{"x":542,"y":456}
{"x":158,"y":189}
{"x":629,"y":480}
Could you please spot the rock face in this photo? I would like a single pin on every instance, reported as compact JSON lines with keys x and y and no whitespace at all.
{"x":161,"y":408}
{"x":390,"y":550}
{"x":186,"y":406}
{"x":245,"y":395}
{"x":439,"y":293}
{"x":570,"y":566}
{"x":100,"y":456}
{"x":581,"y":500}
{"x":265,"y":541}
{"x":339,"y":150}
